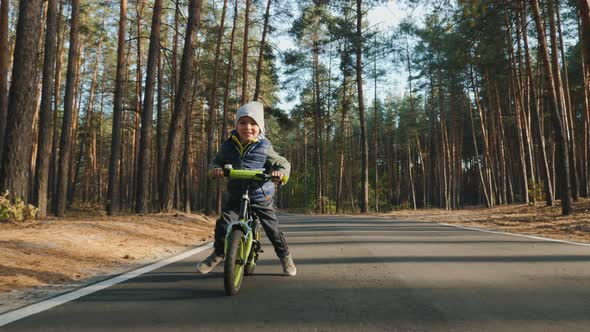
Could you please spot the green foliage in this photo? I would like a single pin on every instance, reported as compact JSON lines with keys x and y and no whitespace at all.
{"x":403,"y":206}
{"x":14,"y":209}
{"x":536,"y":192}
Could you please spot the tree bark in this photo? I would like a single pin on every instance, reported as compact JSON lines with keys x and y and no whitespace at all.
{"x":60,"y":201}
{"x":446,"y":160}
{"x":546,"y":174}
{"x":160,"y":152}
{"x":14,"y":173}
{"x":561,"y":98}
{"x":244,"y":98}
{"x":4,"y":62}
{"x":229,"y":75}
{"x":99,"y":147}
{"x":556,"y":114}
{"x":113,"y":194}
{"x":56,"y":102}
{"x":361,"y":104}
{"x":486,"y":145}
{"x":481,"y":177}
{"x":88,"y":126}
{"x":43,"y":155}
{"x":317,"y":105}
{"x":261,"y":54}
{"x":586,"y":107}
{"x":143,"y":170}
{"x":584,"y":10}
{"x":213,"y":106}
{"x":181,"y":107}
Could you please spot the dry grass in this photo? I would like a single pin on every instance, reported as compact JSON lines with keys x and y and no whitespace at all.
{"x":520,"y":218}
{"x":65,"y":252}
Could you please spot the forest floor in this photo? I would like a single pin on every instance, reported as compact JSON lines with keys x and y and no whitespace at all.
{"x":537,"y":220}
{"x":40,"y":259}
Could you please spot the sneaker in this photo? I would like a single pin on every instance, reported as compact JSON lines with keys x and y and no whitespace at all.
{"x":289,"y":268}
{"x":209,"y":263}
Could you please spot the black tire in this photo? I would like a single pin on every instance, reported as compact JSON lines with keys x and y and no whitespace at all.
{"x":234,"y":263}
{"x":253,"y":258}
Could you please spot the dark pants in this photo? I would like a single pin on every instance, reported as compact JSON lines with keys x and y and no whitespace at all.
{"x":267,"y":216}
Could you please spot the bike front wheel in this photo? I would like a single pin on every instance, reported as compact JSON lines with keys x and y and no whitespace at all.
{"x":235,"y":262}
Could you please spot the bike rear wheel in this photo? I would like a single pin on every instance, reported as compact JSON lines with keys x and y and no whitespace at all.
{"x":235,"y":262}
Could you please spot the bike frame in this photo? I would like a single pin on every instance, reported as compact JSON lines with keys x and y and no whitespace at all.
{"x":242,"y":244}
{"x":245,"y":220}
{"x":244,"y":223}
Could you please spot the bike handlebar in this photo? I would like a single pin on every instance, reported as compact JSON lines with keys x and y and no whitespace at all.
{"x":247,"y":174}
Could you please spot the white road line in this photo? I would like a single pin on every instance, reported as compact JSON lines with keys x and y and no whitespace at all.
{"x":519,"y":235}
{"x":32,"y":309}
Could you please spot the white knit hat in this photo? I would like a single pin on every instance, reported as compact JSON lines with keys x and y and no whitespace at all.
{"x":253,"y":109}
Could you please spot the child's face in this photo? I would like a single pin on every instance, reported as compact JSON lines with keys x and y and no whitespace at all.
{"x":247,"y":129}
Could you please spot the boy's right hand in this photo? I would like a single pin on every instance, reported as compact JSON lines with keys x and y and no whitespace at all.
{"x":216,"y":172}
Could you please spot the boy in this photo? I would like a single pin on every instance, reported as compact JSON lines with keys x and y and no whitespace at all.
{"x":248,"y":148}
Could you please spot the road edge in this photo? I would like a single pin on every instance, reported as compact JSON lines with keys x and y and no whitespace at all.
{"x":31,"y":309}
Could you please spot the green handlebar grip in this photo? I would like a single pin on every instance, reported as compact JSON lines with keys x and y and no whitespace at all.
{"x":245,"y":174}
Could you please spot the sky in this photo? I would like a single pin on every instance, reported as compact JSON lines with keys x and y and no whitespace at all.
{"x":386,"y":16}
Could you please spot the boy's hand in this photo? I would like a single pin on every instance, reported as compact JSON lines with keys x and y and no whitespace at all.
{"x":216,"y":172}
{"x":278,"y":175}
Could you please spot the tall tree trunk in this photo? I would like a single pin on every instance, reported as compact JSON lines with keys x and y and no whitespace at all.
{"x":584,"y":12}
{"x":160,"y":148}
{"x":546,"y":174}
{"x":228,"y":78}
{"x":56,"y":102}
{"x":88,"y":130}
{"x":145,"y":146}
{"x":181,"y":107}
{"x":486,"y":145}
{"x":481,"y":177}
{"x":4,"y":62}
{"x":375,"y":130}
{"x":556,"y":114}
{"x":317,"y":105}
{"x":345,"y":106}
{"x":361,"y":104}
{"x":446,"y":160}
{"x":175,"y":50}
{"x":213,"y":109}
{"x":113,"y":193}
{"x":561,"y":99}
{"x":585,"y":78}
{"x":99,"y":173}
{"x":74,"y":137}
{"x":244,"y":98}
{"x":43,"y":155}
{"x":502,"y":148}
{"x":566,"y":86}
{"x":261,"y":54}
{"x":410,"y":174}
{"x":187,"y":165}
{"x":138,"y":112}
{"x":59,"y":202}
{"x":521,"y":127}
{"x":14,"y":173}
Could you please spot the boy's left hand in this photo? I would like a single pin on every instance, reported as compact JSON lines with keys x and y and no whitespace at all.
{"x":278,"y":175}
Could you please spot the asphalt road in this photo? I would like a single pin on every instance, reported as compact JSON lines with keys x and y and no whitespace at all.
{"x":355,"y":274}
